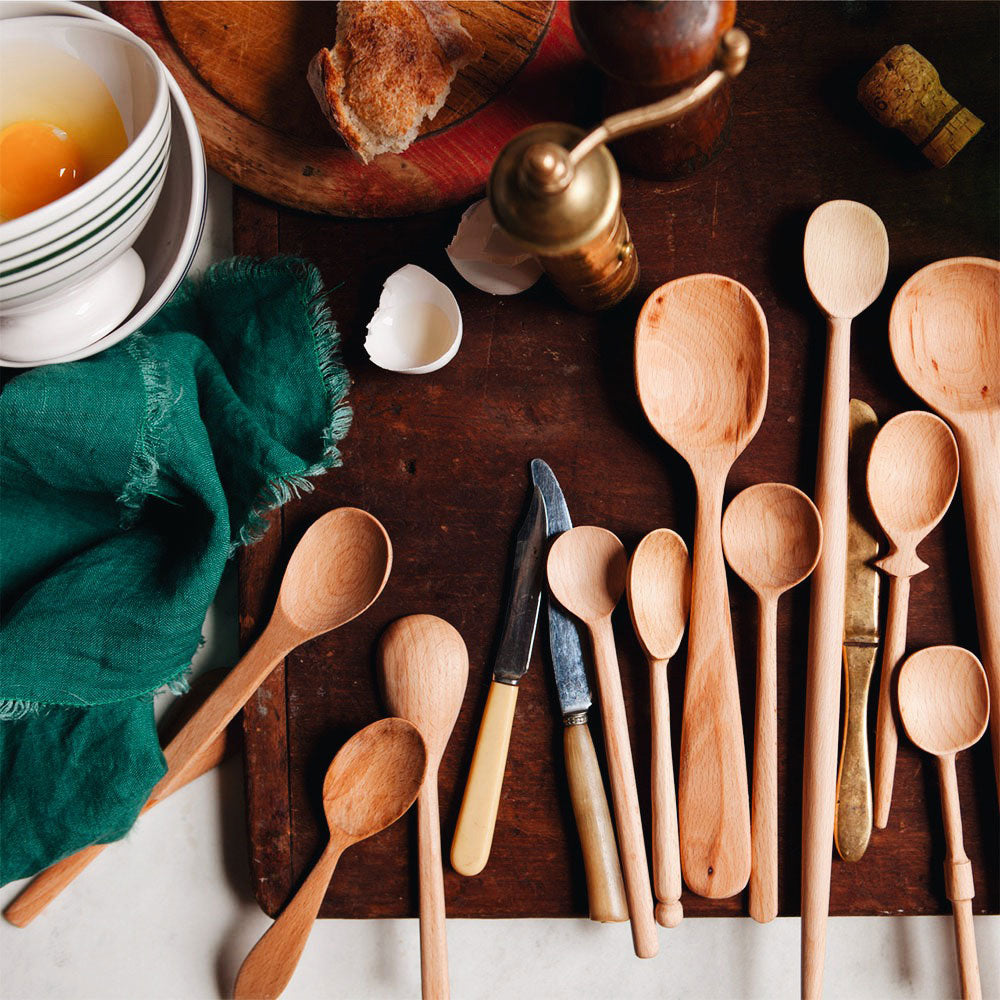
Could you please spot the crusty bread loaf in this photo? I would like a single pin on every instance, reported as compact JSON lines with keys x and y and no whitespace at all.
{"x":392,"y":66}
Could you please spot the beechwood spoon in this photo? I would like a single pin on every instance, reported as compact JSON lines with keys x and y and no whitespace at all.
{"x":336,"y":572}
{"x":846,"y":257}
{"x":658,"y":587}
{"x":372,"y":781}
{"x":944,"y":702}
{"x":912,"y":475}
{"x":586,"y":571}
{"x":701,"y":373}
{"x":944,"y":331}
{"x":772,"y":536}
{"x":424,"y":669}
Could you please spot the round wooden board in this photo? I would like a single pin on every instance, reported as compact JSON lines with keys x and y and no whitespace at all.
{"x":242,"y":67}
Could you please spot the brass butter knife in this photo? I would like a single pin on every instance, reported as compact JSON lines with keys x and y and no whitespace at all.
{"x":853,"y":822}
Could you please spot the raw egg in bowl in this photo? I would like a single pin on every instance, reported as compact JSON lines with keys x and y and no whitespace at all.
{"x":84,"y":144}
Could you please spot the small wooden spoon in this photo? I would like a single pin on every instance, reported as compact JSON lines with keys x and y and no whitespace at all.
{"x":846,"y":256}
{"x":912,"y":475}
{"x":372,"y":781}
{"x":772,"y":536}
{"x":944,"y":331}
{"x":586,"y":570}
{"x":701,"y":372}
{"x":658,"y":587}
{"x":424,"y":669}
{"x":944,"y":701}
{"x":336,"y":572}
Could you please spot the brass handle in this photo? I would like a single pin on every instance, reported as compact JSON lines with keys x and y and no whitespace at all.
{"x":733,"y":51}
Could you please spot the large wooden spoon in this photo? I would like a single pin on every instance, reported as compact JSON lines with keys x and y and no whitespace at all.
{"x":658,"y":587}
{"x":912,"y":475}
{"x":372,"y":781}
{"x":586,"y":570}
{"x":944,"y":702}
{"x":944,"y":331}
{"x":772,"y":536}
{"x":424,"y":669}
{"x":701,"y":372}
{"x":337,"y":570}
{"x":846,"y":255}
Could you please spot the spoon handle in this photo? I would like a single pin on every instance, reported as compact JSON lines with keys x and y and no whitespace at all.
{"x":981,"y":500}
{"x":624,"y":795}
{"x":764,"y":819}
{"x":886,"y":734}
{"x":958,"y":882}
{"x":269,"y":967}
{"x":826,"y":636}
{"x":666,"y":849}
{"x":433,"y":933}
{"x":713,"y":800}
{"x":50,"y":883}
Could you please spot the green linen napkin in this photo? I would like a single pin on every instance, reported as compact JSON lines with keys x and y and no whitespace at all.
{"x":126,"y":482}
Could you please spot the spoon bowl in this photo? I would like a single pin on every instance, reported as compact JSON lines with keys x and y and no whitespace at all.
{"x":846,"y":257}
{"x":701,"y":366}
{"x":944,"y":331}
{"x":912,"y":475}
{"x":337,"y":570}
{"x":586,"y":569}
{"x":944,"y":700}
{"x":374,"y":778}
{"x":772,"y":536}
{"x":658,"y":586}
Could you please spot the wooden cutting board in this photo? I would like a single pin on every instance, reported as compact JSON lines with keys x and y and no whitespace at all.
{"x":442,"y":461}
{"x":243,"y":68}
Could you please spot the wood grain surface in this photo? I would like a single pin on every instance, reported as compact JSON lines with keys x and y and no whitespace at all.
{"x":442,"y":461}
{"x":242,"y":67}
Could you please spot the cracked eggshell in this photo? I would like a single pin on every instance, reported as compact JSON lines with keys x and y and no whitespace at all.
{"x":487,"y":257}
{"x":417,"y":327}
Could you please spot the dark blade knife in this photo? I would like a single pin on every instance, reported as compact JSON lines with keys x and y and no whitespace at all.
{"x":470,"y":848}
{"x":853,"y":819}
{"x":605,"y":891}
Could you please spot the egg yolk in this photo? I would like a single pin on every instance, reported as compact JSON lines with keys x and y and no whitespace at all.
{"x":39,"y":163}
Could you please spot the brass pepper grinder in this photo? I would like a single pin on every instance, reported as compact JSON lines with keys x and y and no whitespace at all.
{"x":648,"y":50}
{"x":555,"y":190}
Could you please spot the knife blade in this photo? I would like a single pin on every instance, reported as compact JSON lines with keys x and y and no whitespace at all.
{"x":473,"y":840}
{"x":602,"y":868}
{"x":853,"y":819}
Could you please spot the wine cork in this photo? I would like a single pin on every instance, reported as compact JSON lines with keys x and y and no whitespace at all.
{"x":903,"y":91}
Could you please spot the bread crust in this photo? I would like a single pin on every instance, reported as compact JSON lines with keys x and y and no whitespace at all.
{"x":392,"y":66}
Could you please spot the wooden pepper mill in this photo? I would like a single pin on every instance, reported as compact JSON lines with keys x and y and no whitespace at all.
{"x":903,"y":90}
{"x":649,"y":50}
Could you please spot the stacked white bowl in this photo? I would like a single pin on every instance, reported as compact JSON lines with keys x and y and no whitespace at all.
{"x":81,"y":273}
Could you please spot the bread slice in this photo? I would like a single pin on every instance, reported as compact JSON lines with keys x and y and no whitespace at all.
{"x":392,"y":66}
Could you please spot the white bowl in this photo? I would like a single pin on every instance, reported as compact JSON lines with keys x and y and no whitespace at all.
{"x":67,"y":274}
{"x":170,"y":240}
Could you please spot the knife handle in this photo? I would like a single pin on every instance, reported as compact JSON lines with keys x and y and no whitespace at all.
{"x":853,"y":826}
{"x":470,"y":848}
{"x":605,"y":890}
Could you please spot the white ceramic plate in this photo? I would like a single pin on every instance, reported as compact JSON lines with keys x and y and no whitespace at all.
{"x":170,"y":239}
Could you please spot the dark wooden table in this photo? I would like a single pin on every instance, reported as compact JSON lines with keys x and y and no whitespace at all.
{"x":442,"y":461}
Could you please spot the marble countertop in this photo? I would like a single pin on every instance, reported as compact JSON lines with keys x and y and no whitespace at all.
{"x":169,"y":913}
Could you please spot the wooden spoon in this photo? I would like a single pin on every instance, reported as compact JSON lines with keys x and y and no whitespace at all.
{"x":424,"y":668}
{"x":658,"y":587}
{"x":912,"y":475}
{"x":586,"y":570}
{"x":337,"y":570}
{"x":772,"y":536}
{"x":372,"y":781}
{"x":701,"y":371}
{"x":944,"y":701}
{"x":944,"y":331}
{"x":846,"y":255}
